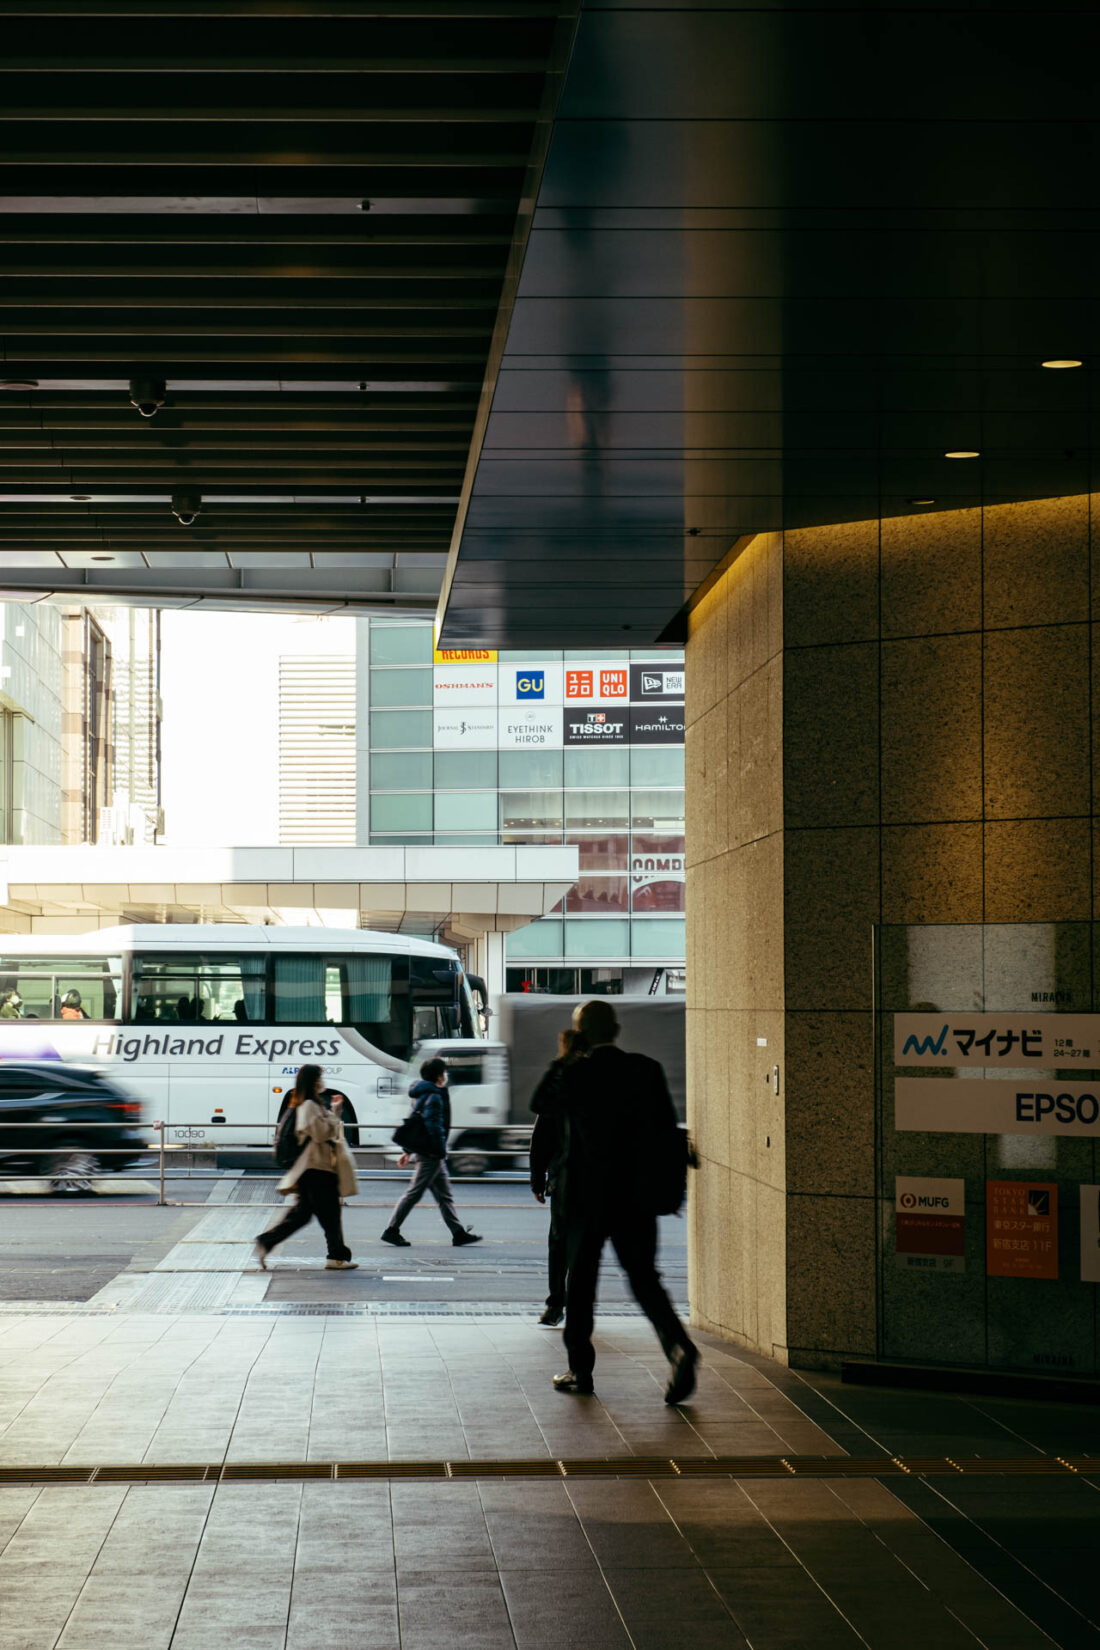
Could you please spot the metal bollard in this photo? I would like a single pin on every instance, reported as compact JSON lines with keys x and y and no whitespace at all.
{"x":161,"y":1198}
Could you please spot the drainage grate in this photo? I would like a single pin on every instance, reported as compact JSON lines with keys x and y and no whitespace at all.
{"x":621,"y":1466}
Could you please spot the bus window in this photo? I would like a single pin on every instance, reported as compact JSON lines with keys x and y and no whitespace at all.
{"x":302,"y":992}
{"x":188,"y":988}
{"x":61,"y":988}
{"x":378,"y":999}
{"x":436,"y":997}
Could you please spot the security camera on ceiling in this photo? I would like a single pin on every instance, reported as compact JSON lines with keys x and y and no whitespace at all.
{"x":186,"y":506}
{"x":148,"y":395}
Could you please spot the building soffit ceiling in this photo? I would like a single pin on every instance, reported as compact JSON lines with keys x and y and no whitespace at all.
{"x":304,"y":218}
{"x":783,"y":262}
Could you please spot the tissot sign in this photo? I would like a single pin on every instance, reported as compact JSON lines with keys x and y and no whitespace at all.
{"x":596,"y":725}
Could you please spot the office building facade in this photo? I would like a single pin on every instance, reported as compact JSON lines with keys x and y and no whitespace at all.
{"x":583,"y":748}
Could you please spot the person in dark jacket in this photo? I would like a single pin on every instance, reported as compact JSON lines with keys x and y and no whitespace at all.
{"x":616,"y":1106}
{"x":434,"y":1105}
{"x":547,"y":1163}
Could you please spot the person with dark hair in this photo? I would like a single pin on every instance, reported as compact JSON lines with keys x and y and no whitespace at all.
{"x":616,"y":1106}
{"x":322,"y":1173}
{"x":433,"y":1104}
{"x":549,"y":1143}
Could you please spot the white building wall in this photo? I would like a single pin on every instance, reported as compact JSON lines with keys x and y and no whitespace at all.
{"x":30,"y":686}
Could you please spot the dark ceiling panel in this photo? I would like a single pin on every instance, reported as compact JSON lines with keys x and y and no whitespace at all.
{"x":783,"y":260}
{"x":296,"y":214}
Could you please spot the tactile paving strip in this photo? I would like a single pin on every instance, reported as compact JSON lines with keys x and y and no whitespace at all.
{"x":621,"y":1466}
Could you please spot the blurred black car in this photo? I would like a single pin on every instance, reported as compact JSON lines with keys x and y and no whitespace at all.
{"x":33,"y":1092}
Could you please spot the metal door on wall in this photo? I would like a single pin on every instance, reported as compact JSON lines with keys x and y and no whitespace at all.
{"x":987,"y":1123}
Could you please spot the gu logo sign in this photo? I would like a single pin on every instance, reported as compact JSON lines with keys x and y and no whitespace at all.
{"x":530,"y":684}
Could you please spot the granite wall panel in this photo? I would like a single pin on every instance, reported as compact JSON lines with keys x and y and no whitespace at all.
{"x":906,"y":736}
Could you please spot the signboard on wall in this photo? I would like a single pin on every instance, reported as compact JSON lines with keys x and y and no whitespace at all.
{"x":649,"y":684}
{"x":534,"y":729}
{"x":930,"y":1224}
{"x":468,"y":729}
{"x":464,"y":656}
{"x":461,"y":685}
{"x":596,"y":725}
{"x":996,"y":1105}
{"x":532,"y":684}
{"x":1015,"y":1040}
{"x":1021,"y":1229}
{"x":1090,"y":1234}
{"x":657,"y":727}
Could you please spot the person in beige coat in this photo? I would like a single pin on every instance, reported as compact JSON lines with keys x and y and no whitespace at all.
{"x":321,"y":1175}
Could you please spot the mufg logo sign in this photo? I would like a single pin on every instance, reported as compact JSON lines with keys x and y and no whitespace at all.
{"x":531,"y":684}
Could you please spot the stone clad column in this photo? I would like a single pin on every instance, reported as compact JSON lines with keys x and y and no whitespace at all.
{"x":888,"y":721}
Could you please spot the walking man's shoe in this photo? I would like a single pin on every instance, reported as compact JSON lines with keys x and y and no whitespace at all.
{"x":392,"y":1234}
{"x":552,"y":1317}
{"x":259,"y":1255}
{"x":465,"y":1237}
{"x":682,"y":1383}
{"x":341,"y":1265}
{"x":580,"y":1385}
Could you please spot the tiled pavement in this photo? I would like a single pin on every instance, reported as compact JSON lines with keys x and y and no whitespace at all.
{"x":496,"y":1563}
{"x":500,"y":1561}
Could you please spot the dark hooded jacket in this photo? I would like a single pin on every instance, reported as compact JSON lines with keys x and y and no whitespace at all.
{"x":434,"y":1106}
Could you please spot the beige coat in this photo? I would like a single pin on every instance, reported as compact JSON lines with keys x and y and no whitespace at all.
{"x":322,"y":1135}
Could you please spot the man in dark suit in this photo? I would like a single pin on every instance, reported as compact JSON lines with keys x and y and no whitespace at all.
{"x":615,"y":1106}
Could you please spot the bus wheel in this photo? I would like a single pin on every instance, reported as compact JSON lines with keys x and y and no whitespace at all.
{"x":467,"y":1163}
{"x":73,"y":1169}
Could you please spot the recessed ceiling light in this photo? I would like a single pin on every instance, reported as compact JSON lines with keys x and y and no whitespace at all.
{"x":1057,"y":364}
{"x":962,"y":453}
{"x":920,"y":501}
{"x":18,"y":383}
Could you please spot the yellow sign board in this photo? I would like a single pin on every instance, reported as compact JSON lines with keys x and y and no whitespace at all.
{"x":465,"y":656}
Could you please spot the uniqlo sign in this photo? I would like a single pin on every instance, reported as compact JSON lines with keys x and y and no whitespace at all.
{"x":597,"y":682}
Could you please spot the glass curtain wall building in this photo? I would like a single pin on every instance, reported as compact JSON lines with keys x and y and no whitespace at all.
{"x":574,"y":747}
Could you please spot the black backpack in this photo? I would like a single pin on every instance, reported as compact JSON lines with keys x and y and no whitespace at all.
{"x":664,"y":1158}
{"x":287,"y":1149}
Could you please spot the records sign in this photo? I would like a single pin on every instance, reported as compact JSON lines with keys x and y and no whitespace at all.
{"x":596,"y":725}
{"x":661,"y":725}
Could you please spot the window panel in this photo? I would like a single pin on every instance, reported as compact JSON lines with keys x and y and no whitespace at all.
{"x":597,"y":810}
{"x":538,"y":939}
{"x":598,"y":895}
{"x":401,"y":644}
{"x":466,"y":810}
{"x":465,"y":771}
{"x":660,"y":812}
{"x":394,"y":729}
{"x":523,"y":768}
{"x":534,"y":839}
{"x":400,"y":811}
{"x":530,"y":810}
{"x":597,"y":939}
{"x":303,"y":992}
{"x":658,"y":894}
{"x":657,"y":765}
{"x":597,"y":767}
{"x":658,"y":938}
{"x":185,"y":988}
{"x":601,"y":853}
{"x":61,"y":988}
{"x":400,"y":687}
{"x":404,"y":771}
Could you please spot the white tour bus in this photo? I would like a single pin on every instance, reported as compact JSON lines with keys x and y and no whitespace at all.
{"x":207,"y":1025}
